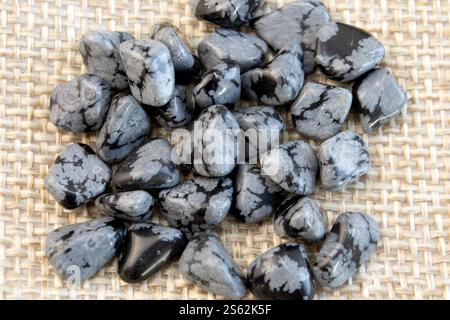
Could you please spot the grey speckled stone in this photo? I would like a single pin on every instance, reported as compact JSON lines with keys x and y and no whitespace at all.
{"x":197,"y":204}
{"x":345,"y":52}
{"x":206,"y":262}
{"x":343,"y":158}
{"x":349,"y":245}
{"x":81,"y":104}
{"x":100,"y":52}
{"x":294,"y":23}
{"x":77,"y":176}
{"x":125,"y":128}
{"x":226,"y":13}
{"x":131,"y":206}
{"x":282,"y":273}
{"x":151,"y":166}
{"x":300,"y":217}
{"x":379,"y":98}
{"x":257,"y":196}
{"x":225,"y":44}
{"x":150,"y":71}
{"x":277,"y":82}
{"x":78,"y":251}
{"x":293,"y":166}
{"x":180,"y":109}
{"x":219,"y":85}
{"x":320,"y":110}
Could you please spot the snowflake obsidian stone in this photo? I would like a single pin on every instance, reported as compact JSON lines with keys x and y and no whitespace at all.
{"x":179,"y":111}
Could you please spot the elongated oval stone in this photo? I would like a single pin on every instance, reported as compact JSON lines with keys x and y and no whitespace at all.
{"x":345,"y":52}
{"x":206,"y":262}
{"x":197,"y":204}
{"x":126,"y":128}
{"x":78,"y":251}
{"x":131,"y":206}
{"x":180,"y":109}
{"x":152,"y":166}
{"x":282,"y":273}
{"x":257,"y":196}
{"x":81,"y":104}
{"x":320,"y":110}
{"x":300,"y":217}
{"x":277,"y":82}
{"x":343,"y":158}
{"x":380,"y":98}
{"x":293,"y":166}
{"x":77,"y":176}
{"x":219,"y":85}
{"x":226,"y":13}
{"x":349,"y":245}
{"x":100,"y":52}
{"x":294,"y":23}
{"x":245,"y":50}
{"x":150,"y":72}
{"x":148,"y":248}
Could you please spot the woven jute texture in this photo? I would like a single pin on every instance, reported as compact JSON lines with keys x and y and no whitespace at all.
{"x":407,"y":190}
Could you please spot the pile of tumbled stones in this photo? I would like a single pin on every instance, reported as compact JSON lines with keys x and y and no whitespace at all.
{"x":130,"y":81}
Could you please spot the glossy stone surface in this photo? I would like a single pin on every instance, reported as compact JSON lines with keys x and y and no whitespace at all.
{"x":149,"y":167}
{"x":148,"y":248}
{"x":345,"y":52}
{"x":343,"y":158}
{"x":294,"y":23}
{"x":379,"y":98}
{"x":78,"y":251}
{"x":300,"y":217}
{"x":349,"y":245}
{"x":226,"y":13}
{"x":245,"y":50}
{"x":206,"y":262}
{"x":282,"y":273}
{"x":320,"y":110}
{"x":126,"y":128}
{"x":131,"y":206}
{"x":257,"y":196}
{"x":219,"y":85}
{"x":100,"y":53}
{"x":150,"y":71}
{"x":180,"y":109}
{"x":293,"y":166}
{"x":277,"y":82}
{"x":81,"y":104}
{"x":197,"y":204}
{"x":77,"y":176}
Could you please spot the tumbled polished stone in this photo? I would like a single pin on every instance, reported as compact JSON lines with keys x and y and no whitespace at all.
{"x":219,"y":85}
{"x":293,"y":166}
{"x":100,"y":52}
{"x":206,"y":262}
{"x":78,"y":251}
{"x":282,"y":273}
{"x":346,"y":52}
{"x":126,"y":128}
{"x":349,"y":245}
{"x":245,"y":50}
{"x":180,"y":109}
{"x":81,"y":104}
{"x":151,"y":166}
{"x":277,"y":82}
{"x":150,"y":71}
{"x":197,"y":204}
{"x":77,"y":176}
{"x":379,"y":98}
{"x":300,"y":217}
{"x":148,"y":248}
{"x":294,"y":23}
{"x":131,"y":206}
{"x":343,"y":158}
{"x":320,"y":110}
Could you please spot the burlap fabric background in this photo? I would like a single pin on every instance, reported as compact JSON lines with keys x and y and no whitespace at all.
{"x":407,"y":189}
